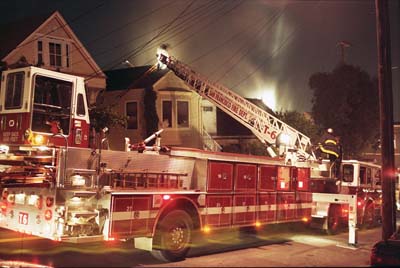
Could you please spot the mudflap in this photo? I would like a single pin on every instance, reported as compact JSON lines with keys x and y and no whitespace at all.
{"x":319,"y":223}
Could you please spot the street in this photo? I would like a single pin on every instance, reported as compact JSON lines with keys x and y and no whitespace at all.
{"x":287,"y":246}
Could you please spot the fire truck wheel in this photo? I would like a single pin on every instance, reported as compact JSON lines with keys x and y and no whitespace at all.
{"x":369,"y":218}
{"x":173,"y":236}
{"x":333,"y":220}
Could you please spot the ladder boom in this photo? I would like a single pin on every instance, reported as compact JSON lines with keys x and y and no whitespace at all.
{"x":264,"y":126}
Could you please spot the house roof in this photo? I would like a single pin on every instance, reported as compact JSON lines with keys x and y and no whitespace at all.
{"x":13,"y":33}
{"x":20,"y":32}
{"x":133,"y":77}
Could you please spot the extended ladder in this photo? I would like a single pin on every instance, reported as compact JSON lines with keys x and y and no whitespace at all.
{"x":264,"y":126}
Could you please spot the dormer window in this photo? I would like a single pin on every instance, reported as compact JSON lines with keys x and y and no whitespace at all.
{"x":53,"y":53}
{"x":40,"y":53}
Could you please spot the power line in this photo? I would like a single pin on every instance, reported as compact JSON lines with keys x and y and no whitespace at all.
{"x":151,"y":40}
{"x":120,"y":28}
{"x":235,"y":64}
{"x":186,"y":27}
{"x":274,"y":53}
{"x":131,"y":22}
{"x":283,"y":44}
{"x":83,"y":14}
{"x":209,"y":23}
{"x":155,"y":30}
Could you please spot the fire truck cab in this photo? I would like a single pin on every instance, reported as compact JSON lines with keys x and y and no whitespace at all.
{"x":40,"y":106}
{"x":362,"y":179}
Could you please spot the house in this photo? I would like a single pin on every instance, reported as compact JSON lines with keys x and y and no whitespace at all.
{"x":153,"y":99}
{"x":187,"y":119}
{"x":49,"y":42}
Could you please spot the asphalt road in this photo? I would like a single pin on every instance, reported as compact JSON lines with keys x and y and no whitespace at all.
{"x":284,"y":246}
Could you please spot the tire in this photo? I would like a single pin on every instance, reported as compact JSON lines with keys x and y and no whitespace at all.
{"x":369,"y":218}
{"x":173,"y":237}
{"x":333,"y":220}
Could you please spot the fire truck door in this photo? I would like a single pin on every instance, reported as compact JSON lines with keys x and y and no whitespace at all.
{"x":219,"y":197}
{"x":130,"y":215}
{"x":267,"y":194}
{"x":301,"y":185}
{"x":219,"y":210}
{"x":244,"y":201}
{"x":286,"y":206}
{"x":220,"y":177}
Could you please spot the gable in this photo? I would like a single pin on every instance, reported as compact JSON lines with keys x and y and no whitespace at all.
{"x":25,"y":35}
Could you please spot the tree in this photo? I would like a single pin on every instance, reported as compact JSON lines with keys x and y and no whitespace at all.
{"x":346,"y":100}
{"x":101,"y":117}
{"x":150,"y":110}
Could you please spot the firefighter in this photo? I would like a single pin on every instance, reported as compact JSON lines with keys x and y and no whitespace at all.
{"x":330,"y":146}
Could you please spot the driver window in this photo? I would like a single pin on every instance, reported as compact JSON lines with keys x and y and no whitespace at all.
{"x":377,"y":178}
{"x":348,"y":172}
{"x":369,"y":176}
{"x":363,"y":179}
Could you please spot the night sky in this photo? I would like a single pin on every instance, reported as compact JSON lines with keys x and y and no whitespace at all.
{"x":255,"y":47}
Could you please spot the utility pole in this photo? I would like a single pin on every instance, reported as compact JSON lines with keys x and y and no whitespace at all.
{"x":386,"y":118}
{"x":343,"y":45}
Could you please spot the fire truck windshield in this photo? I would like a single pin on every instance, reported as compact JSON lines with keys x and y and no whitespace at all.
{"x":52,"y":105}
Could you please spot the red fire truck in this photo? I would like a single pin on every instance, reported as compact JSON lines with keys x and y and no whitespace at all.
{"x":54,"y":186}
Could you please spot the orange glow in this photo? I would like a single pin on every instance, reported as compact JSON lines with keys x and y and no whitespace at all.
{"x":48,"y":214}
{"x":305,"y":219}
{"x":206,"y":229}
{"x":3,"y":207}
{"x":257,"y":224}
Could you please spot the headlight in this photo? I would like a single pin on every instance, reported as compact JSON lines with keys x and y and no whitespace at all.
{"x":38,"y":139}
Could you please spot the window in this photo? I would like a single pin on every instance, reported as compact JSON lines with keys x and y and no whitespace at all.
{"x":80,"y":110}
{"x":55,"y":54}
{"x":40,"y":53}
{"x":369,"y":176}
{"x":348,"y":171}
{"x":67,"y":55}
{"x":131,"y":114}
{"x":363,"y":179}
{"x":183,"y":113}
{"x":167,"y":114}
{"x":52,"y":105}
{"x":14,"y":90}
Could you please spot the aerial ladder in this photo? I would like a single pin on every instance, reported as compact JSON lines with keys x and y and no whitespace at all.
{"x":267,"y":128}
